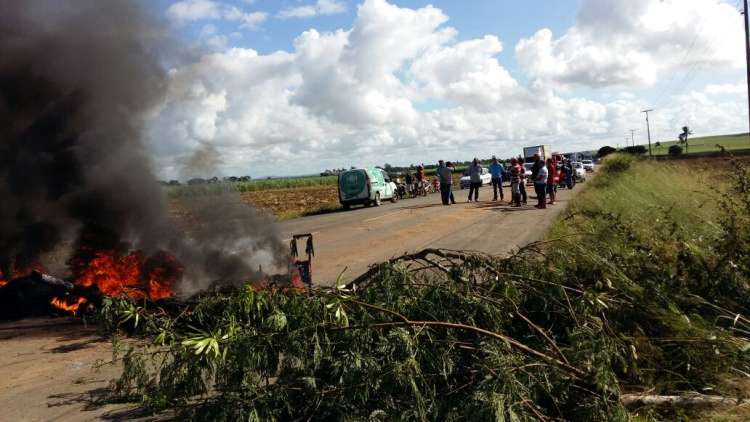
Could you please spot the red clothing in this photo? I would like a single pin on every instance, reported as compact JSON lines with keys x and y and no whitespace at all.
{"x":515,"y":173}
{"x":552,"y":171}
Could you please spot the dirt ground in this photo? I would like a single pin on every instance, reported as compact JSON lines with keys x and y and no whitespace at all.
{"x":51,"y":372}
{"x":286,"y":203}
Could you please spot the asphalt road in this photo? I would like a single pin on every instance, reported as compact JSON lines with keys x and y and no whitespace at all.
{"x":348,"y":242}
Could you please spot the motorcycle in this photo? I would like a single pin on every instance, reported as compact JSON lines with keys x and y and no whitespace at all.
{"x":421,"y":188}
{"x":400,"y":189}
{"x":567,"y":177}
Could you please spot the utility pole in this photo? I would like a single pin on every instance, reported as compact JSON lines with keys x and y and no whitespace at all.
{"x":632,"y":136}
{"x":747,"y":57}
{"x":648,"y":129}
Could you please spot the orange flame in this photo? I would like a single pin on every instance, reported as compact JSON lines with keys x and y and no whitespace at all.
{"x":20,"y":272}
{"x":125,"y":275}
{"x":69,"y":307}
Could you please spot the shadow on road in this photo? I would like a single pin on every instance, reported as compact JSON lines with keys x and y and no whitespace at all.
{"x":423,"y":206}
{"x":96,"y":399}
{"x":502,"y":206}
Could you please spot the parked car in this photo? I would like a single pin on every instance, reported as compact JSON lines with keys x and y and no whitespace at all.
{"x":588,"y":165}
{"x":485,"y":178}
{"x":580,"y":171}
{"x":367,"y":186}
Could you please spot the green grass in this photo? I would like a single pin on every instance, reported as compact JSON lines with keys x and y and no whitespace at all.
{"x":653,"y":193}
{"x":252,"y":186}
{"x":706,"y":144}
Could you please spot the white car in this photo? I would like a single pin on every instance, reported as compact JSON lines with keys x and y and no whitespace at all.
{"x":588,"y":165}
{"x":527,"y":171}
{"x":580,"y":171}
{"x":485,"y":178}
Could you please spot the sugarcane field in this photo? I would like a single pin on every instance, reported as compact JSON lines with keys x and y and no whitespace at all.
{"x":374,"y":210}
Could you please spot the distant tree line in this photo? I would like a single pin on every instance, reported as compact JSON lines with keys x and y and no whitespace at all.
{"x":212,"y":180}
{"x":674,"y":150}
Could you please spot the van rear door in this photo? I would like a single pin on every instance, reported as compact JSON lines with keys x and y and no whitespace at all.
{"x":353,"y":185}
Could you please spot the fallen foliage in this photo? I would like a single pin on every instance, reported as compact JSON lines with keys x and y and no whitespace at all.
{"x":559,"y":331}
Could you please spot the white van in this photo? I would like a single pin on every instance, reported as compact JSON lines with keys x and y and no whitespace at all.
{"x":368,"y":186}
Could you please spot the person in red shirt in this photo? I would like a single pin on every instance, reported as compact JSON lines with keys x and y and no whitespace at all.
{"x":516,"y":174}
{"x":552,"y":180}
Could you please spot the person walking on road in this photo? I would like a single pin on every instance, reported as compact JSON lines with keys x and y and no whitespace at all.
{"x":496,"y":170}
{"x":552,"y":180}
{"x":516,"y":173}
{"x":540,"y":186}
{"x":475,"y":179}
{"x":445,"y":174}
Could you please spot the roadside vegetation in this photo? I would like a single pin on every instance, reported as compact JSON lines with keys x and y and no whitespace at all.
{"x":702,"y":145}
{"x":640,"y":292}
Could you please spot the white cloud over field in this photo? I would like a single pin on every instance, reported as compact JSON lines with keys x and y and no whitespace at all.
{"x":400,"y":86}
{"x":632,"y":43}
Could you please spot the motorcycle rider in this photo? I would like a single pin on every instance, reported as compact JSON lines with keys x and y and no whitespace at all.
{"x":419,"y":183}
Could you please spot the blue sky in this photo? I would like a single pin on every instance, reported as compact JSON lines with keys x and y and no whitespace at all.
{"x":408,"y":81}
{"x":475,"y":18}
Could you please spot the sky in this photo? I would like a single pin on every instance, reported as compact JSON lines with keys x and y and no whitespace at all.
{"x":293,"y":87}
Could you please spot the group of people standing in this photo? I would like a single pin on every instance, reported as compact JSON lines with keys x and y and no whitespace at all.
{"x":543,"y":175}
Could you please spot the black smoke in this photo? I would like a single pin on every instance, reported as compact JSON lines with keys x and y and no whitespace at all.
{"x":78,"y":79}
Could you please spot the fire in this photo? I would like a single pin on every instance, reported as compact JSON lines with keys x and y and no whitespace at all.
{"x":112,"y":275}
{"x":21,"y":272}
{"x":66,"y":306}
{"x":130,"y":275}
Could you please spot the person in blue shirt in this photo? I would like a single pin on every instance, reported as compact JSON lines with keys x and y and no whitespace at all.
{"x":497,"y":170}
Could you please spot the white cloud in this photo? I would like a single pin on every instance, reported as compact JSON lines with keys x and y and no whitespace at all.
{"x":193,"y":10}
{"x":631,"y":43}
{"x":465,"y":73}
{"x":356,"y":96}
{"x":321,"y":7}
{"x":721,"y":89}
{"x":247,"y":20}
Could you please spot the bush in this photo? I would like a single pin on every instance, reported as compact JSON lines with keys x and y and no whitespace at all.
{"x":635,"y":150}
{"x":675,"y":150}
{"x":617,"y":164}
{"x":605,"y":151}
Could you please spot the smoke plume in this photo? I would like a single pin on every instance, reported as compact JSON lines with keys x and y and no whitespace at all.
{"x":77,"y":79}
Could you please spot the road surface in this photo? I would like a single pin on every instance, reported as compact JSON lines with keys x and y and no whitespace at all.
{"x":48,"y":364}
{"x":348,"y":242}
